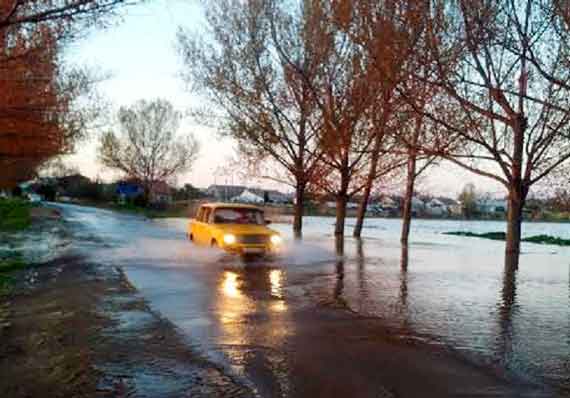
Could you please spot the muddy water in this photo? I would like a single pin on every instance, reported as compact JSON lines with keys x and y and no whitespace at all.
{"x":444,"y":290}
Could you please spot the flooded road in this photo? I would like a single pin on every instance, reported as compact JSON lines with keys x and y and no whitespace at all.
{"x":276,"y":324}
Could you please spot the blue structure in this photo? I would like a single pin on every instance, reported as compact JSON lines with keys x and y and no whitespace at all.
{"x":129,"y":190}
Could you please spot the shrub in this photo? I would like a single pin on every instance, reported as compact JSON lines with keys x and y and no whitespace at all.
{"x":14,"y":214}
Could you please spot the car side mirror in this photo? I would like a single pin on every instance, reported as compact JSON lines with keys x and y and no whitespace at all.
{"x":267,"y":222}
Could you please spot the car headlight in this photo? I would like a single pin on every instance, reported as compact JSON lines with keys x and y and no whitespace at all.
{"x":229,"y":239}
{"x":276,"y":239}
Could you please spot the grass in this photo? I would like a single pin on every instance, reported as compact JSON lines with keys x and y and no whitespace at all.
{"x":14,"y":214}
{"x":487,"y":235}
{"x":8,"y":265}
{"x":539,"y":239}
{"x":547,"y":240}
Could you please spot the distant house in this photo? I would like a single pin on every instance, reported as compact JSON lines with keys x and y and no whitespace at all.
{"x":418,"y":206}
{"x":160,"y":193}
{"x":224,"y":193}
{"x":454,"y":207}
{"x":384,"y":205}
{"x":129,"y":190}
{"x":227,"y":193}
{"x":492,"y":206}
{"x":274,"y":196}
{"x":352,"y":205}
{"x":436,"y":207}
{"x":248,"y":197}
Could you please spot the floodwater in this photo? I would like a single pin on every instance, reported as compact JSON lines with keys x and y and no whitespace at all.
{"x":444,"y":290}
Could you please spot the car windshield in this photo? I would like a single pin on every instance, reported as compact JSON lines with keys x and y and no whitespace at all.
{"x":238,"y":216}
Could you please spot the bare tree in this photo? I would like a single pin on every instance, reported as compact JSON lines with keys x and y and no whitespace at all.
{"x":344,"y":91}
{"x":512,"y":116}
{"x":148,"y":147}
{"x":418,"y":136}
{"x":388,"y":33}
{"x":66,"y":15}
{"x":260,"y":98}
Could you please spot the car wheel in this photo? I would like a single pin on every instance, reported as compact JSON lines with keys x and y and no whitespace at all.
{"x":191,"y":238}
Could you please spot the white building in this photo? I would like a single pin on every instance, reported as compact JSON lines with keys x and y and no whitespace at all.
{"x":247,"y":197}
{"x":436,"y":207}
{"x":418,"y":205}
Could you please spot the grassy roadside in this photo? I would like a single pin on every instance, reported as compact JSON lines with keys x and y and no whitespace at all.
{"x":7,"y":266}
{"x":14,"y":214}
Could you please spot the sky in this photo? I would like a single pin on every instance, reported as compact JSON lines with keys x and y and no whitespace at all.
{"x":139,"y":54}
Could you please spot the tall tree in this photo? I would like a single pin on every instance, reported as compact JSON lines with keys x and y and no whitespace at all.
{"x":263,"y":100}
{"x":345,"y":93}
{"x":468,"y":199}
{"x":386,"y":32}
{"x":39,"y":112}
{"x":513,"y":116}
{"x":148,"y":147}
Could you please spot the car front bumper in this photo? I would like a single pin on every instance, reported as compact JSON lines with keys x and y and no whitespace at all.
{"x":245,"y":249}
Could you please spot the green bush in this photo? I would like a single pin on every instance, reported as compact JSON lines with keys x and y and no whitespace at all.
{"x":540,"y":239}
{"x":14,"y":214}
{"x":11,"y":264}
{"x":487,"y":235}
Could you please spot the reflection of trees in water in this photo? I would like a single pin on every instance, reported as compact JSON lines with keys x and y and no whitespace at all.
{"x":506,"y":307}
{"x":403,"y":294}
{"x":339,"y":269}
{"x":361,"y":269}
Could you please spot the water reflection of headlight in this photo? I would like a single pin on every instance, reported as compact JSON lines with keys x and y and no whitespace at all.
{"x":230,"y":284}
{"x":278,"y":306}
{"x":276,"y":281}
{"x":276,"y":239}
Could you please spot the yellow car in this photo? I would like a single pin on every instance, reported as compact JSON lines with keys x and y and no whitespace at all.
{"x":235,"y":228}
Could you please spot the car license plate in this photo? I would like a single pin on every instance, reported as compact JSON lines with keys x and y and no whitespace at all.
{"x":253,"y":250}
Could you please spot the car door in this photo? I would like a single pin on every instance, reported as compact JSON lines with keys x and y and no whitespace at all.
{"x":196,"y":229}
{"x":206,"y":233}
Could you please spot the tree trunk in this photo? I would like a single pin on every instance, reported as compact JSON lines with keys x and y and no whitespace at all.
{"x":341,"y":201}
{"x":517,"y":197}
{"x":368,"y":188}
{"x":407,"y":210}
{"x":299,"y":209}
{"x":514,"y":223}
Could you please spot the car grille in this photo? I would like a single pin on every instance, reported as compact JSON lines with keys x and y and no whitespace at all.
{"x":253,"y":239}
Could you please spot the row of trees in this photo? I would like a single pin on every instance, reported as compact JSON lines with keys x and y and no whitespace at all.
{"x":340,"y":93}
{"x":45,"y":104}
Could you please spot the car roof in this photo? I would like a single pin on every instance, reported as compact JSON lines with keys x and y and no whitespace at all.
{"x":231,"y":205}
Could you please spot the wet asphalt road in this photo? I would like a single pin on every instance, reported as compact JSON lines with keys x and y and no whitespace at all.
{"x":289,"y":326}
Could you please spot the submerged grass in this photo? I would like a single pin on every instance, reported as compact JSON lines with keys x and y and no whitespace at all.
{"x":7,"y":266}
{"x":14,"y":214}
{"x":540,"y":239}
